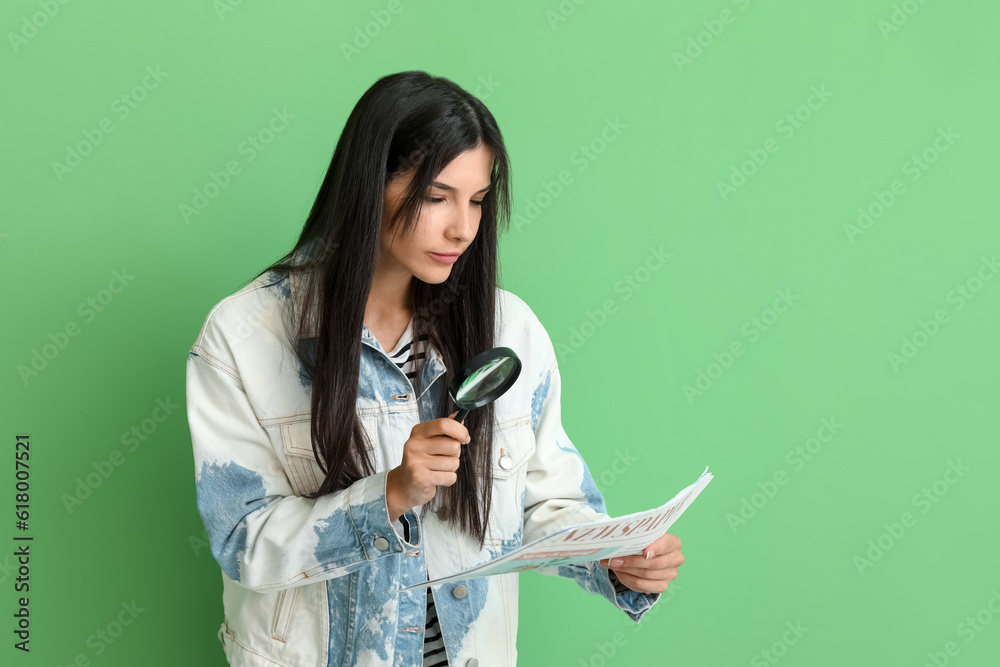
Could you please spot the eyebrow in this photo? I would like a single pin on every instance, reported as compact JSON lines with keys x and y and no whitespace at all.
{"x":445,"y":186}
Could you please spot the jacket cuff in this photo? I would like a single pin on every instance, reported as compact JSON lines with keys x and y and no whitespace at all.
{"x":369,"y":512}
{"x":410,"y":534}
{"x":633,"y":603}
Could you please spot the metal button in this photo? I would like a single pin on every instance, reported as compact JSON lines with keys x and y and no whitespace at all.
{"x":506,"y":462}
{"x":381,"y":543}
{"x":472,"y":663}
{"x":460,"y":591}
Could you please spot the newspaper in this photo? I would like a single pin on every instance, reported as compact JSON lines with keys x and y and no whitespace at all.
{"x":623,"y":536}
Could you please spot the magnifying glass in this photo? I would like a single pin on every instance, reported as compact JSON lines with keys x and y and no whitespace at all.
{"x":484,"y":378}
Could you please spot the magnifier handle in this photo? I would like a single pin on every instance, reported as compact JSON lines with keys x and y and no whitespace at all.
{"x":461,"y":415}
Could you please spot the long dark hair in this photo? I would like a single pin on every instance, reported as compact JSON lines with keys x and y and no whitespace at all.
{"x":404,"y":121}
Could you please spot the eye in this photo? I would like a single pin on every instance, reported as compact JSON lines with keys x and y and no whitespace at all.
{"x":435,"y":200}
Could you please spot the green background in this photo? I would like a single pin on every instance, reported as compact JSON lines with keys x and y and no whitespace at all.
{"x":553,"y":80}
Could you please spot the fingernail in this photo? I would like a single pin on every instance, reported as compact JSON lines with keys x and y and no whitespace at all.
{"x":617,"y":561}
{"x":648,"y":554}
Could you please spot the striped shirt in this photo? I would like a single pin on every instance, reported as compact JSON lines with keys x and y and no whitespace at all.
{"x":434,"y":653}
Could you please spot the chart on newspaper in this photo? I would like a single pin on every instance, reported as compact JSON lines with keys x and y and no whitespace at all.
{"x":622,"y":536}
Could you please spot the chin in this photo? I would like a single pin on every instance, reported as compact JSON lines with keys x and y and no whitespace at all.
{"x":433,"y":278}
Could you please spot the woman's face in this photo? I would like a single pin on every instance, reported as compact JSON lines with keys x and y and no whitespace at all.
{"x":448,"y":221}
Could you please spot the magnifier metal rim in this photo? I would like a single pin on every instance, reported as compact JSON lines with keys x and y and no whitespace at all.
{"x":477,"y":362}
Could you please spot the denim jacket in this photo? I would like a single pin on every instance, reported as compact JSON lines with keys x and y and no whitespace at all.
{"x":314,"y":582}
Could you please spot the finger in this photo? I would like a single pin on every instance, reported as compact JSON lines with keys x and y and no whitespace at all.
{"x":672,"y":559}
{"x":619,"y":561}
{"x":642,"y":584}
{"x":450,"y":428}
{"x":445,"y":478}
{"x":443,"y":445}
{"x":443,"y":463}
{"x":655,"y":574}
{"x":666,"y":542}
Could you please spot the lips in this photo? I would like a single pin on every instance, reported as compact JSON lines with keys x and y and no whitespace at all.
{"x":450,"y":258}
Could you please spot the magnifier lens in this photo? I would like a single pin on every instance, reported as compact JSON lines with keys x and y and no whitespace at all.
{"x":484,"y":379}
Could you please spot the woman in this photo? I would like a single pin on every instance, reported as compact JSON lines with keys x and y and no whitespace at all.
{"x":327,"y":473}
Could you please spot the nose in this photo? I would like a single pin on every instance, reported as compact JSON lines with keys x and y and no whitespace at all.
{"x":464,"y":222}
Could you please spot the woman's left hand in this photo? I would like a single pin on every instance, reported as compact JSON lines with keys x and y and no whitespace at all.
{"x":653,"y":570}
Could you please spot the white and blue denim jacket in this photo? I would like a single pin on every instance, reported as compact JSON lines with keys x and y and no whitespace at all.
{"x":314,"y":582}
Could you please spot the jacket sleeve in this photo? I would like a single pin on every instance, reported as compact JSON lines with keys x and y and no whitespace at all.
{"x":560,"y":490}
{"x":262,"y":535}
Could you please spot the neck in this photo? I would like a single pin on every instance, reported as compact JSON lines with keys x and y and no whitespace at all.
{"x":390,"y":303}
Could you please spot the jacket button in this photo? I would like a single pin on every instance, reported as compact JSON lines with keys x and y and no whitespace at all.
{"x":472,"y":663}
{"x":381,"y":543}
{"x":460,"y":592}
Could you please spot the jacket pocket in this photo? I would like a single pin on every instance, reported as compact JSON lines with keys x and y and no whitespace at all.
{"x":513,"y":447}
{"x":241,"y":656}
{"x":302,"y":468}
{"x":283,"y":613}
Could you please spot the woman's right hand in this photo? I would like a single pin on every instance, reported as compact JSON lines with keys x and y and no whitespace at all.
{"x":430,"y":459}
